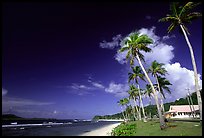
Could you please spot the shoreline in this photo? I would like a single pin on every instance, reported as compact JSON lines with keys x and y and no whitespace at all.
{"x":103,"y":131}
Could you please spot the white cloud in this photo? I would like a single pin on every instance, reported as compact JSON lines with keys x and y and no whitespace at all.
{"x":150,"y":33}
{"x":111,"y":45}
{"x":121,"y":57}
{"x":80,"y":87}
{"x":162,"y":53}
{"x":119,"y":90}
{"x":4,"y":92}
{"x":166,"y":37}
{"x":181,"y":79}
{"x":10,"y":102}
{"x":97,"y":85}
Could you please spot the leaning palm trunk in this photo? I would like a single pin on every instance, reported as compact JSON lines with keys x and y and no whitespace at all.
{"x":161,"y":118}
{"x":123,"y":114}
{"x":195,"y":73}
{"x":138,"y":113}
{"x":134,"y":112}
{"x":161,"y":103}
{"x":145,"y":120}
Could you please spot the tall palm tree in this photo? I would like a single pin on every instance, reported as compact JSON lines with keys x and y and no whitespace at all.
{"x":163,"y":82}
{"x":181,"y":15}
{"x":137,"y":74}
{"x":133,"y":95}
{"x":126,"y":102}
{"x":148,"y":93}
{"x":135,"y":43}
{"x":156,"y":69}
{"x":121,"y":103}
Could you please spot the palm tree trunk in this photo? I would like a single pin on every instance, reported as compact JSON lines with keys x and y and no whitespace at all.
{"x":195,"y":73}
{"x":190,"y":106}
{"x":123,"y":113}
{"x":134,"y":112}
{"x":145,"y":120}
{"x":162,"y":105}
{"x":161,"y":118}
{"x":139,"y":115}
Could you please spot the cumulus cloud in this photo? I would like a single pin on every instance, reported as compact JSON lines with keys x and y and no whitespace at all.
{"x":119,"y":90}
{"x":150,"y":33}
{"x":181,"y":79}
{"x":162,"y":53}
{"x":4,"y":91}
{"x":111,"y":45}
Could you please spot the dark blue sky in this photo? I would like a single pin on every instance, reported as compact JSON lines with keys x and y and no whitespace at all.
{"x":53,"y":65}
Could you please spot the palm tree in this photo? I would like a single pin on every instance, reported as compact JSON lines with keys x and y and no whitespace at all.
{"x":163,"y":82}
{"x":121,"y":102}
{"x":156,"y":68}
{"x":135,"y":43}
{"x":148,"y":92}
{"x":135,"y":75}
{"x":179,"y":16}
{"x":126,"y":102}
{"x":133,"y":95}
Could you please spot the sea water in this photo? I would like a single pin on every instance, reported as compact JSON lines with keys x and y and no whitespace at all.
{"x":57,"y":128}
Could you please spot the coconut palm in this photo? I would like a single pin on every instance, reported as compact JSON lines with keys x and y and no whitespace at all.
{"x":121,"y":103}
{"x":133,"y":95}
{"x":148,"y":93}
{"x":137,"y":74}
{"x":181,"y":15}
{"x":134,"y":43}
{"x":156,"y":69}
{"x":163,"y":82}
{"x":126,"y":102}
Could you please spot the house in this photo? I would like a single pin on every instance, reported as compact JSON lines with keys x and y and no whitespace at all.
{"x":182,"y":111}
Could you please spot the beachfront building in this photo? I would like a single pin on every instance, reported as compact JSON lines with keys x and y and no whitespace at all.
{"x":183,"y":111}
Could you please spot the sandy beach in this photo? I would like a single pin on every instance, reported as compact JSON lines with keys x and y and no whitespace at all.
{"x":104,"y":131}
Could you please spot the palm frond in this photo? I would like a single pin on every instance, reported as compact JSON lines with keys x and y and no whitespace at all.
{"x":187,"y":7}
{"x":168,"y":18}
{"x":124,"y":48}
{"x":192,"y":16}
{"x":144,"y":39}
{"x":172,"y":27}
{"x":174,"y":8}
{"x":186,"y":29}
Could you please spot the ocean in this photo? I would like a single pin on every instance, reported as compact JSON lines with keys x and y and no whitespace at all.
{"x":55,"y":128}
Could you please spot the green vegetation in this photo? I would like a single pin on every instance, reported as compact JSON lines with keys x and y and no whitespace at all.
{"x":11,"y":117}
{"x":180,"y":15}
{"x":152,"y":108}
{"x":151,"y":128}
{"x":124,"y":129}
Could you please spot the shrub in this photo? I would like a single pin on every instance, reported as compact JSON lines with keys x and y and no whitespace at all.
{"x":124,"y":129}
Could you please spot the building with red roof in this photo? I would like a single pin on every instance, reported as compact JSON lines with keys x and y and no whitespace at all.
{"x":182,"y":111}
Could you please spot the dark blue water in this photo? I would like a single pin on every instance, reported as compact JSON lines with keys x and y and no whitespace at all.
{"x":74,"y":129}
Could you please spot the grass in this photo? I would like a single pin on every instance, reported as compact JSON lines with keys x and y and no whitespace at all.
{"x":152,"y":128}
